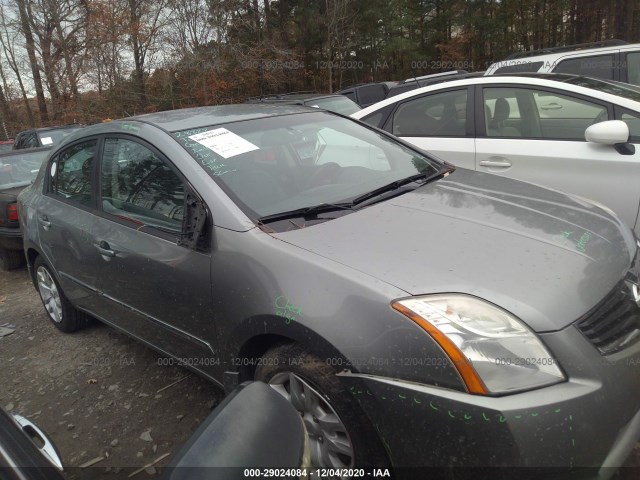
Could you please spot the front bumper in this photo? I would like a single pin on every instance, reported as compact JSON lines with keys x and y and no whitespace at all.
{"x":10,"y":238}
{"x":591,"y":421}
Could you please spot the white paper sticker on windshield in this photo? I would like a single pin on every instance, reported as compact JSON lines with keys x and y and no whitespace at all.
{"x":223,"y":142}
{"x":46,"y":140}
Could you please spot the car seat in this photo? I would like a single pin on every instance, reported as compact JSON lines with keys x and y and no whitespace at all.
{"x":497,"y":127}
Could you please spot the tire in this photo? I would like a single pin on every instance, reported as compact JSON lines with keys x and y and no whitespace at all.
{"x":11,"y":259}
{"x":354,"y":444}
{"x":62,"y":314}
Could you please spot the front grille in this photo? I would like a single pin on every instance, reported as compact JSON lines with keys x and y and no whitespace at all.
{"x":614,"y":324}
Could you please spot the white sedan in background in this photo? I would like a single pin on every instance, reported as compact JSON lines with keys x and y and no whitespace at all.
{"x":572,"y":133}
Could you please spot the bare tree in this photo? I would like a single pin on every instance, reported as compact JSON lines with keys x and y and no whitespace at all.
{"x":9,"y":35}
{"x":189,"y":29}
{"x":25,"y":23}
{"x":146,"y":19}
{"x":338,"y":20}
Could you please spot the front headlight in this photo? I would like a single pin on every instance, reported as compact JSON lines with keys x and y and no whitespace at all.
{"x":493,"y":351}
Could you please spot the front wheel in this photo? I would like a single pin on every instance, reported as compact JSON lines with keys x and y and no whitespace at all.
{"x":340,"y":435}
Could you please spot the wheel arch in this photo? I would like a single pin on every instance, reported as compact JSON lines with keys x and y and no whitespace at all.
{"x":32,"y":254}
{"x":257,"y":335}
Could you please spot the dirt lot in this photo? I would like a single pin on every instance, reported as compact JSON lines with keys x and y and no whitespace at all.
{"x":98,"y":393}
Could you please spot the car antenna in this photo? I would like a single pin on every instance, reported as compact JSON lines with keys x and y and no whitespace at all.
{"x":415,"y":78}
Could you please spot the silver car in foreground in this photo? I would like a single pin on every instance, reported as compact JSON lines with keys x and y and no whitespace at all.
{"x":415,"y":314}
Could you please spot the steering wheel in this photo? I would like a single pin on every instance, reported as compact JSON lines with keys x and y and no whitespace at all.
{"x":326,"y":174}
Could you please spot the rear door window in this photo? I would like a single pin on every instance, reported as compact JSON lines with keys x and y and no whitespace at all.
{"x":71,"y":173}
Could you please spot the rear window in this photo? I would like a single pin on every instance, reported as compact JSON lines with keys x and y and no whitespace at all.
{"x":54,"y":137}
{"x":338,"y":104}
{"x":371,"y":94}
{"x":401,"y":89}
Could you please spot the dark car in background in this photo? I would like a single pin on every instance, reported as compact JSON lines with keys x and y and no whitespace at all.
{"x":327,"y":101}
{"x":414,"y":313}
{"x":18,"y":168}
{"x":43,"y":137}
{"x":367,"y":93}
{"x":424,"y":80}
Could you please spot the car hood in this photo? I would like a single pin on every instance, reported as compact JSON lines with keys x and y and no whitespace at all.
{"x":545,"y":256}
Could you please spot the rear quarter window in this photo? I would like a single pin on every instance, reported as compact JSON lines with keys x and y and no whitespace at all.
{"x":599,"y":66}
{"x":521,"y":67}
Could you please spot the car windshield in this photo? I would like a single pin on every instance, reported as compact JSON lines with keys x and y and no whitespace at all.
{"x":54,"y":137}
{"x":20,"y":167}
{"x":341,"y":104}
{"x":620,"y":89}
{"x":279,"y":164}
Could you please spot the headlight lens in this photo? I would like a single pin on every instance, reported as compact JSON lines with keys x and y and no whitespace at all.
{"x":494,"y":352}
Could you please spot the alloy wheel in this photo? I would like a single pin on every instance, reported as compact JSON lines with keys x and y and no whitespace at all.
{"x":49,"y":294}
{"x":329,"y":441}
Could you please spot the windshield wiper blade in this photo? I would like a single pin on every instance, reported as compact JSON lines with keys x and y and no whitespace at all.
{"x":398,"y":184}
{"x":306,"y":212}
{"x":313,"y":211}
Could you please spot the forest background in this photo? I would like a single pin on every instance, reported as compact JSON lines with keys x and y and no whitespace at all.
{"x":84,"y":61}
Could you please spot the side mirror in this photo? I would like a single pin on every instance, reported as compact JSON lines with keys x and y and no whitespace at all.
{"x":611,"y":132}
{"x":193,"y":222}
{"x":254,"y":428}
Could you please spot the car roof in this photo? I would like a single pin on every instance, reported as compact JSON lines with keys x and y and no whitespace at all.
{"x":533,"y":79}
{"x":551,"y":56}
{"x":186,"y":118}
{"x":577,"y":48}
{"x":25,"y":151}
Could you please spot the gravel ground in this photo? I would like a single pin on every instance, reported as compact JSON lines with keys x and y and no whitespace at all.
{"x":99,"y":394}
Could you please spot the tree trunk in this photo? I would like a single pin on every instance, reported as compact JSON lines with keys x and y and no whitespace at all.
{"x":138,"y":55}
{"x":31,"y":51}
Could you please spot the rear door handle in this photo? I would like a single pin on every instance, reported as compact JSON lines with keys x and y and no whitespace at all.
{"x":104,"y":249}
{"x":495,"y":163}
{"x":44,"y":221}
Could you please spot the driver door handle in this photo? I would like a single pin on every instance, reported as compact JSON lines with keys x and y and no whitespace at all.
{"x":104,"y":249}
{"x":495,"y":163}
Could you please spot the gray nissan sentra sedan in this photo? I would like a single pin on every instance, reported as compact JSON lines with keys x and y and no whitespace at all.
{"x":415,"y":314}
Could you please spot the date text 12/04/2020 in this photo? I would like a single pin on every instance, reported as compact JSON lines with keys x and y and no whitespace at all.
{"x":316,"y":472}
